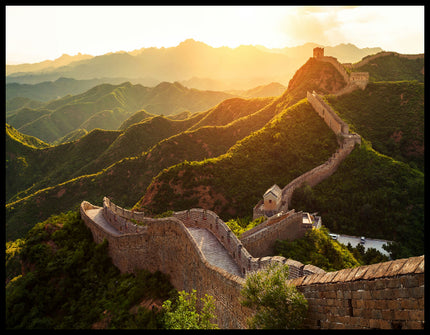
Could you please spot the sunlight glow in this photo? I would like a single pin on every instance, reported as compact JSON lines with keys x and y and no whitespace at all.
{"x":36,"y":33}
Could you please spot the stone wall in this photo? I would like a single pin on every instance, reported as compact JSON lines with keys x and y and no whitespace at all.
{"x":239,"y":252}
{"x":353,"y":80}
{"x":316,"y":175}
{"x":360,"y":79}
{"x":167,"y":246}
{"x":333,"y":120}
{"x":260,"y":241}
{"x":120,"y":218}
{"x":386,"y":295}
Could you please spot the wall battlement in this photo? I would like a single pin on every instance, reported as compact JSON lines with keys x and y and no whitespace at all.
{"x":167,"y":245}
{"x":353,"y":80}
{"x":340,"y":299}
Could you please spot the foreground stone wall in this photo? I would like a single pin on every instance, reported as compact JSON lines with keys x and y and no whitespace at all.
{"x":386,"y":295}
{"x":246,"y":259}
{"x":167,"y":246}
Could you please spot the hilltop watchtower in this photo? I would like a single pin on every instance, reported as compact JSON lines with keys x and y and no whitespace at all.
{"x":318,"y":52}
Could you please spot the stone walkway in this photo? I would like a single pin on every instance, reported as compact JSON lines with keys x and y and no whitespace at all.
{"x":214,"y":251}
{"x":97,"y":216}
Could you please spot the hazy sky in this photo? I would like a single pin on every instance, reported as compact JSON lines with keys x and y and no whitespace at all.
{"x":37,"y":33}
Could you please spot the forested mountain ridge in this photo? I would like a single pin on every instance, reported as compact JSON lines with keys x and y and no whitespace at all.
{"x":181,"y":166}
{"x":108,"y":106}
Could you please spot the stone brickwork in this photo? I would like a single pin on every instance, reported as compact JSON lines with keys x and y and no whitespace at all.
{"x":359,"y":79}
{"x":260,"y":241}
{"x":339,"y":299}
{"x":386,"y":295}
{"x":167,"y":245}
{"x":329,"y":116}
{"x":237,"y":249}
{"x":120,"y":218}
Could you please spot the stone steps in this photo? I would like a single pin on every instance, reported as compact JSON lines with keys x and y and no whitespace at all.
{"x":214,"y":251}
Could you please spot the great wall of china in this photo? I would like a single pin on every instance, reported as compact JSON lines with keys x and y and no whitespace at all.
{"x":199,"y":251}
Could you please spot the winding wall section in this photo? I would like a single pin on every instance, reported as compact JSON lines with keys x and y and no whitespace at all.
{"x":384,"y":295}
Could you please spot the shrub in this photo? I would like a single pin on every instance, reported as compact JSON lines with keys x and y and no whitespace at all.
{"x":278,"y":305}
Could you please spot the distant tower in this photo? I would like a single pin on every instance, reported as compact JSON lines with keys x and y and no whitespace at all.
{"x":318,"y":52}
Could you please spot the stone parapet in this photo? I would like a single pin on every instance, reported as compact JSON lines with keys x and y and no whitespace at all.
{"x":384,"y":295}
{"x":387,"y":295}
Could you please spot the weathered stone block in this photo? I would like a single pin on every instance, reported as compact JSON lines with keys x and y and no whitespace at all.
{"x":376,"y":314}
{"x":413,"y":325}
{"x":401,"y":315}
{"x":417,"y":315}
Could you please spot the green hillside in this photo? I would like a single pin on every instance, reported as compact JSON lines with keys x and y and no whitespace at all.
{"x":125,"y":181}
{"x":50,"y":90}
{"x":58,"y":278}
{"x":230,"y":110}
{"x":390,"y":115}
{"x":394,"y":68}
{"x":29,"y":168}
{"x":136,"y":117}
{"x":297,"y":138}
{"x":371,"y":195}
{"x":21,"y":102}
{"x":137,"y":139}
{"x":72,"y":136}
{"x":107,"y":106}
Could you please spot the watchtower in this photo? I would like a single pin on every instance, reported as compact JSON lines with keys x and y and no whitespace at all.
{"x":318,"y":52}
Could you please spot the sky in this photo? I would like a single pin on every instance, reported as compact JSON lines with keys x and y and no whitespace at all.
{"x":38,"y":33}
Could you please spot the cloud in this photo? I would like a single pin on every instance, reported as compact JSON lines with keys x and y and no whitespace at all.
{"x":314,"y":24}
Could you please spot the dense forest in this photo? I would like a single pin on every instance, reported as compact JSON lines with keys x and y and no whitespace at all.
{"x":58,"y":278}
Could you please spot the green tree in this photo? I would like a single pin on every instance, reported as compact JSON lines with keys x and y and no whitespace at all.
{"x":278,"y":305}
{"x":183,"y":313}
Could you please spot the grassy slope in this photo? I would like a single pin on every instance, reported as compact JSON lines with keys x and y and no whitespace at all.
{"x":30,"y":169}
{"x":126,"y":180}
{"x":58,"y":278}
{"x":230,"y":110}
{"x":232,"y":183}
{"x":372,"y":195}
{"x":107,"y":106}
{"x":394,"y":68}
{"x":390,"y":115}
{"x":138,"y":116}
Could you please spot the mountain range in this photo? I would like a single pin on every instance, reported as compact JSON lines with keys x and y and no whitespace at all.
{"x":193,"y":63}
